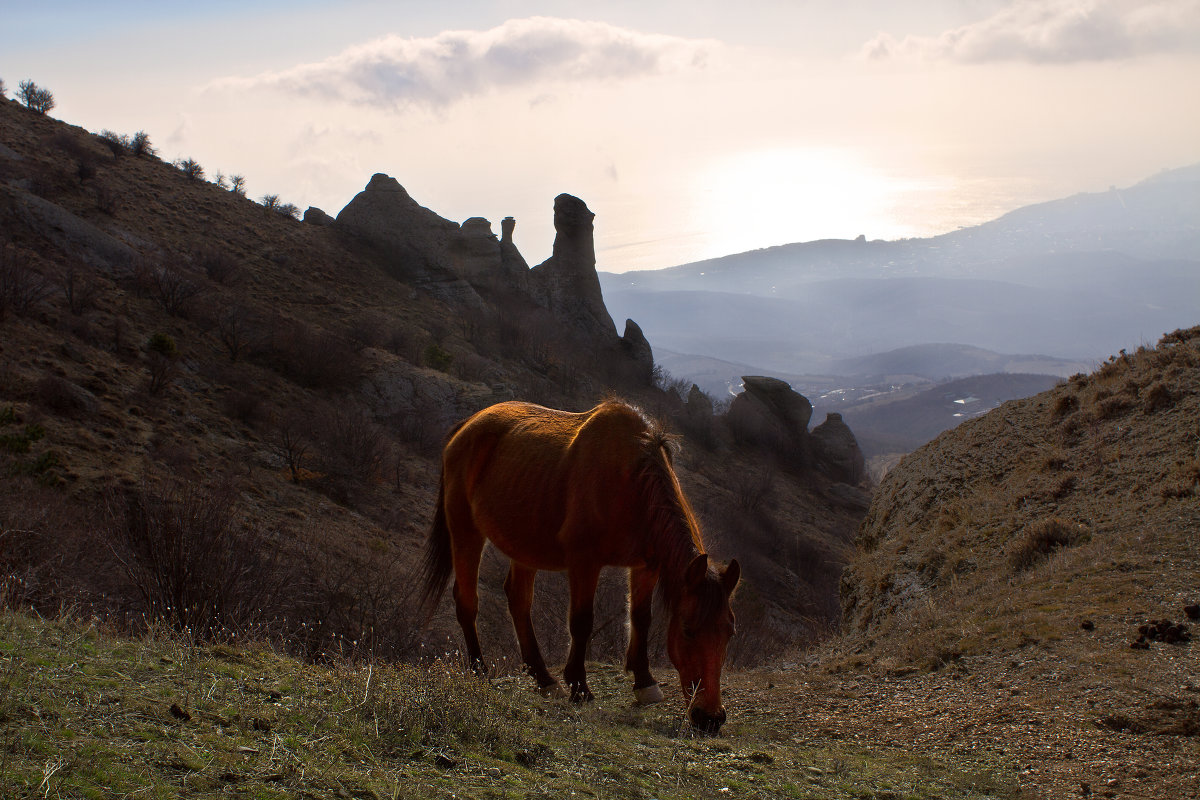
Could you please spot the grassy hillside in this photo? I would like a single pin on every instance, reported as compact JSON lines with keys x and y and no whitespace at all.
{"x":88,"y":715}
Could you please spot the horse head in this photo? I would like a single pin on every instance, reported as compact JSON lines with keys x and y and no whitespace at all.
{"x":697,"y":635}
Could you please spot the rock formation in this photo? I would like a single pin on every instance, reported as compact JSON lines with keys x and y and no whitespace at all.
{"x":836,"y":451}
{"x":566,"y":283}
{"x":636,"y":346}
{"x":315,"y":216}
{"x":414,"y":241}
{"x":477,"y":256}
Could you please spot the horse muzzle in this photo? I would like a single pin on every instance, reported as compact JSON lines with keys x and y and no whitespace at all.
{"x":705,"y":722}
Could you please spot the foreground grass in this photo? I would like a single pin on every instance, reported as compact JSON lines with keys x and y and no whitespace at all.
{"x":88,"y":715}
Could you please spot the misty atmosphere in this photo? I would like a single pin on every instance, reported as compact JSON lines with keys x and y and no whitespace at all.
{"x":630,"y":400}
{"x":1051,"y":289}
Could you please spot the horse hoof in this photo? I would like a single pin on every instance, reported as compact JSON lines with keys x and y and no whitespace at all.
{"x":649,"y":695}
{"x":552,"y":691}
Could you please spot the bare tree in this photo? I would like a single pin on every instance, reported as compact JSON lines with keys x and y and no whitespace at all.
{"x":35,"y":97}
{"x":237,"y":185}
{"x":190,"y":167}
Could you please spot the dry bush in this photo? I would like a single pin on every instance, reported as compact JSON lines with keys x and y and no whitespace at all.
{"x":1158,"y":398}
{"x":191,"y":558}
{"x":1065,"y":404}
{"x":1042,"y":538}
{"x":21,"y":285}
{"x":312,"y":358}
{"x":1112,"y":406}
{"x":162,"y":362}
{"x":236,"y":331}
{"x":351,"y":450}
{"x":751,"y":487}
{"x":218,"y":264}
{"x":290,"y":434}
{"x":191,"y":168}
{"x":174,"y":290}
{"x":79,"y":285}
{"x":108,"y":200}
{"x":63,"y":397}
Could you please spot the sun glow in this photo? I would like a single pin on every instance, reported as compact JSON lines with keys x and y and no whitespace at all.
{"x":768,"y":197}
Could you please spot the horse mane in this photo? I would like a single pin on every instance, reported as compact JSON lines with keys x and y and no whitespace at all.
{"x":672,"y":531}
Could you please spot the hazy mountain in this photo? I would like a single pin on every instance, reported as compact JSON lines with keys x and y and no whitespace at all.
{"x":1078,"y":279}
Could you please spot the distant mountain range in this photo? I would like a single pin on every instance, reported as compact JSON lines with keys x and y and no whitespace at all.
{"x":1075,"y":279}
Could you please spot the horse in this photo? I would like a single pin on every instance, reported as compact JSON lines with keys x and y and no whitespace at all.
{"x":557,"y":490}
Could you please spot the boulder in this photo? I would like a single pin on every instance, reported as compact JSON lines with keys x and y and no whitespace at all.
{"x":315,"y":216}
{"x":414,"y":241}
{"x":636,"y":346}
{"x":769,"y":413}
{"x":836,"y":451}
{"x":566,"y":283}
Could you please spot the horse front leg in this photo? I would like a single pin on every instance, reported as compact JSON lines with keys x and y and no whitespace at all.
{"x":583,"y":583}
{"x":641,"y":592}
{"x":519,"y":588}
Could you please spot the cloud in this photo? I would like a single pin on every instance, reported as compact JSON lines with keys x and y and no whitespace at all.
{"x":1057,"y":31}
{"x":436,"y":72}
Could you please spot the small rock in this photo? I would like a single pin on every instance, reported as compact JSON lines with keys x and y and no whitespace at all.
{"x":179,"y":713}
{"x":1088,"y":625}
{"x":1192,"y":611}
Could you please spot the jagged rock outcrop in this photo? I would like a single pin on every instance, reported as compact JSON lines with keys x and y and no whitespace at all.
{"x":836,"y":451}
{"x":566,"y":283}
{"x":414,"y":241}
{"x":769,"y":413}
{"x":636,"y":346}
{"x":512,"y":263}
{"x":478,"y":256}
{"x":699,"y":404}
{"x":315,"y":216}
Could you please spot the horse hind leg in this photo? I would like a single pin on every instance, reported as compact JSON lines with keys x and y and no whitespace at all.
{"x":519,"y":588}
{"x":641,"y":591}
{"x":468,"y":549}
{"x":581,"y":616}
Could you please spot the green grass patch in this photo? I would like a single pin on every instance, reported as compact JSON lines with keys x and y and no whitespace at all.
{"x":84,"y":714}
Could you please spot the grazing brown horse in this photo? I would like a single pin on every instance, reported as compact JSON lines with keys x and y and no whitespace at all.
{"x":562,"y":491}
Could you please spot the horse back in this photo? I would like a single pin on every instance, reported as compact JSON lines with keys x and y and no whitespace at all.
{"x":549,"y":487}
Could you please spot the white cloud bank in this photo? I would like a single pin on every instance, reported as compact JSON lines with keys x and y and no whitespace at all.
{"x":436,"y":72}
{"x":1057,"y":31}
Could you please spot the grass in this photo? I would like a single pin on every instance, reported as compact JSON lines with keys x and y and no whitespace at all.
{"x":84,"y":714}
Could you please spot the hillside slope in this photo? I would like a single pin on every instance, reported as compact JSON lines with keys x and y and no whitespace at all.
{"x":1034,"y":566}
{"x":166,"y":344}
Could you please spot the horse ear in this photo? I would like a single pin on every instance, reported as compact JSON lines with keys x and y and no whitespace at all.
{"x":731,"y":576}
{"x":696,"y":570}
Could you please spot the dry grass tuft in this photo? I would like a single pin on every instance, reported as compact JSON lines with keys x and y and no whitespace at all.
{"x":1041,"y":539}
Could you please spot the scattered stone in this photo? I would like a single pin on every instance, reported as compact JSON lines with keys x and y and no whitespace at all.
{"x":1161,"y":630}
{"x":1192,"y":611}
{"x":1087,"y":625}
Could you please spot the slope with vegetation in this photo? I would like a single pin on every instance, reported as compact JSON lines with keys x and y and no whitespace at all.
{"x":215,"y":414}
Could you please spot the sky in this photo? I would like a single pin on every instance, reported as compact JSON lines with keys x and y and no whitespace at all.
{"x":692,"y":128}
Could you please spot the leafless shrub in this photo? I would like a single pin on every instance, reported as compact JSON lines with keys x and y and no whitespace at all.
{"x":316,"y":359}
{"x":270,"y":201}
{"x":235,"y":330}
{"x":751,"y":487}
{"x":191,"y":168}
{"x":108,"y":200}
{"x":1042,"y":538}
{"x":174,"y":290}
{"x":139,"y":144}
{"x":162,"y":358}
{"x":35,"y":97}
{"x":290,"y":434}
{"x":218,"y":264}
{"x":352,"y":450}
{"x":79,"y":286}
{"x":288,"y":210}
{"x":21,"y":286}
{"x":191,"y":558}
{"x":237,"y":185}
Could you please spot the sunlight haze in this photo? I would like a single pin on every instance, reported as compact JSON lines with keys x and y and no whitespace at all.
{"x":693,"y":130}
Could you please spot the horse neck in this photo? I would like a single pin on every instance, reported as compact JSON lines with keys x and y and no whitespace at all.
{"x":673,"y":539}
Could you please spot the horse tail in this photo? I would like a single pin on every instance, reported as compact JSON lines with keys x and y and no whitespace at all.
{"x":438,"y":562}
